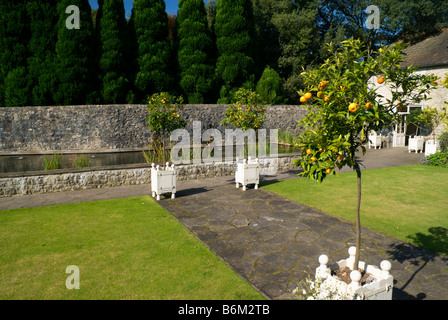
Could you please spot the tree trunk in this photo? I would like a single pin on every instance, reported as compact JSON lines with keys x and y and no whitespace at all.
{"x":163,"y":146}
{"x":358,"y":218}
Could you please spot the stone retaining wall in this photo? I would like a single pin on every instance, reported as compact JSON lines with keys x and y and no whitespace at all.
{"x":48,"y":183}
{"x":107,"y":127}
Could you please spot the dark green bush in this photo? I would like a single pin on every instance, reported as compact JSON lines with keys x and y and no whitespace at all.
{"x":438,"y":159}
{"x":443,"y":139}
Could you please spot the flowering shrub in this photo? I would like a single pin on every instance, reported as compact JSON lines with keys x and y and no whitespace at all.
{"x":246,"y":112}
{"x":438,"y":159}
{"x":328,"y":288}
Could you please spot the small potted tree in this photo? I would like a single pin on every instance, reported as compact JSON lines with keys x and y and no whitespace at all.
{"x":432,"y":117}
{"x":246,"y":113}
{"x":163,"y":118}
{"x":344,"y":106}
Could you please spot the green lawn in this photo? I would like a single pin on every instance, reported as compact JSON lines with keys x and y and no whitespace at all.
{"x":125,"y":249}
{"x":409,"y":202}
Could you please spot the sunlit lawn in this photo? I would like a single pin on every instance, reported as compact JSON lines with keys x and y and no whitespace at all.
{"x":125,"y":249}
{"x":409,"y":202}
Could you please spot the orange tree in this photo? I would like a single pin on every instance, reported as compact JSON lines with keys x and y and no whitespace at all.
{"x":344,"y":105}
{"x":163,"y":118}
{"x":246,"y":112}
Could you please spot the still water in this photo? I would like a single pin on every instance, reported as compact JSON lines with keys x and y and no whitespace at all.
{"x":28,"y":163}
{"x":21,"y":163}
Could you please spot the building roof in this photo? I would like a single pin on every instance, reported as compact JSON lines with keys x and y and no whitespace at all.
{"x":431,"y":52}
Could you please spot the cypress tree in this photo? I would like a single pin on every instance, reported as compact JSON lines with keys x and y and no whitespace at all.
{"x":41,"y":64}
{"x":15,"y":82}
{"x":74,"y":56}
{"x":195,"y":51}
{"x":150,"y":23}
{"x":111,"y":31}
{"x":235,"y":41}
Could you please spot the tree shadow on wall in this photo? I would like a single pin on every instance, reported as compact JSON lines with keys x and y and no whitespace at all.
{"x":419,"y":256}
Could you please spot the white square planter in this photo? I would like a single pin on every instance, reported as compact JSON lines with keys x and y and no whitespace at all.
{"x":247,"y":172}
{"x":375,"y":141}
{"x":416,"y":144}
{"x":398,"y":139}
{"x":163,"y":181}
{"x":380,"y":286}
{"x":431,"y":147}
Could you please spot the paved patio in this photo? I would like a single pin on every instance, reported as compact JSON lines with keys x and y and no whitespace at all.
{"x":273,"y":242}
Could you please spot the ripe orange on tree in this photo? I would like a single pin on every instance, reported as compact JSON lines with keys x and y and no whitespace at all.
{"x":327,"y":99}
{"x":308,"y":151}
{"x":313,"y":159}
{"x":328,"y":171}
{"x":369,"y":105}
{"x":303,"y":99}
{"x":323,"y":84}
{"x":380,"y":80}
{"x":353,"y":107}
{"x":308,"y":95}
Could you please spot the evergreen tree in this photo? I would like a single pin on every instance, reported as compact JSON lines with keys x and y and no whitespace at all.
{"x":235,"y":42}
{"x":150,"y":22}
{"x":74,"y":56}
{"x":111,"y":51}
{"x":15,"y":84}
{"x":195,"y":51}
{"x":270,"y":88}
{"x":41,"y":64}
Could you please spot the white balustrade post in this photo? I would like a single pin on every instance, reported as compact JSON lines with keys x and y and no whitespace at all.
{"x":385,"y":268}
{"x":355,"y":275}
{"x":323,"y":271}
{"x":351,"y":259}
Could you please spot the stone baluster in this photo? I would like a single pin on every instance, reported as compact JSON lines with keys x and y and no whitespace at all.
{"x":323,"y":271}
{"x":351,"y":259}
{"x":385,"y":268}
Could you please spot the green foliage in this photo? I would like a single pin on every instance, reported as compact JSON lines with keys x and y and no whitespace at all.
{"x":270,"y":87}
{"x":14,"y":38}
{"x":195,"y":51}
{"x":111,"y":30}
{"x":235,"y":35}
{"x":443,"y":140}
{"x":246,"y":112}
{"x":41,"y":63}
{"x":438,"y":159}
{"x":53,"y":162}
{"x":163,"y":110}
{"x":74,"y":56}
{"x":432,"y":117}
{"x":82,"y":161}
{"x":150,"y":22}
{"x":345,"y":108}
{"x":17,"y":88}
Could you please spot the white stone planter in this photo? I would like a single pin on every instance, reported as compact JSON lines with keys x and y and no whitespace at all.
{"x":163,"y":181}
{"x":416,"y":144}
{"x":398,"y":139}
{"x":431,"y":147}
{"x":378,"y":288}
{"x":247,"y":172}
{"x":375,"y":141}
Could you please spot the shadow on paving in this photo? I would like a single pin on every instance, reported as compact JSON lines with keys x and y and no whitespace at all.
{"x":274,"y":242}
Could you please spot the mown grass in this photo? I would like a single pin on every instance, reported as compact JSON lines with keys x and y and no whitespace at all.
{"x":125,"y":249}
{"x":409,"y":202}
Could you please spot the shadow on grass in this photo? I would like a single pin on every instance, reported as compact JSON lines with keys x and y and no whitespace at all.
{"x":418,"y":256}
